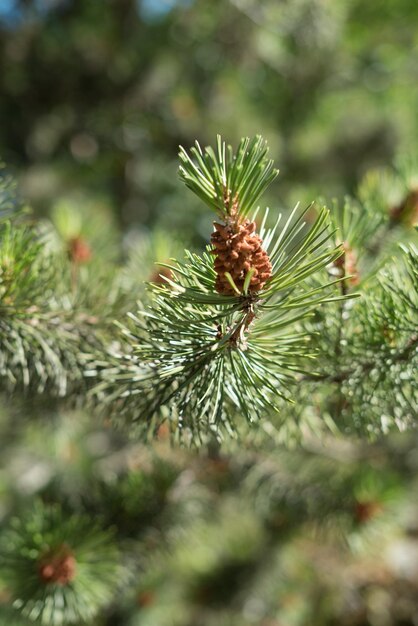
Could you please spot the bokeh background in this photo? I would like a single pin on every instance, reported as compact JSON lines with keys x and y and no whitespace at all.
{"x":96,"y":97}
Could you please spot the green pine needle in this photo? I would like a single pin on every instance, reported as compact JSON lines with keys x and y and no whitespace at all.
{"x":223,"y":179}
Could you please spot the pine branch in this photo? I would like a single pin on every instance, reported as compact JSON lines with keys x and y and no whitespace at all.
{"x":372,"y":387}
{"x":335,"y":503}
{"x":60,"y":569}
{"x":404,"y":354}
{"x":44,"y":341}
{"x":221,"y":339}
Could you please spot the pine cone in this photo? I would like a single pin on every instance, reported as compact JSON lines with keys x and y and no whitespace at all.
{"x":366,"y":510}
{"x":157,"y":276}
{"x":347,"y":264}
{"x":238,"y":249}
{"x":58,"y":567}
{"x":79,"y":250}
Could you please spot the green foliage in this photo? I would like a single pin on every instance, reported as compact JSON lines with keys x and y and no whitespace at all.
{"x":384,"y":375}
{"x":97,"y":528}
{"x":9,"y":203}
{"x":296,"y":527}
{"x":30,"y":356}
{"x":222,"y":178}
{"x":113,"y":94}
{"x":12,"y":618}
{"x":23,"y":270}
{"x":366,"y":348}
{"x":201,"y":358}
{"x":251,"y":533}
{"x":39,"y":536}
{"x":45,"y":339}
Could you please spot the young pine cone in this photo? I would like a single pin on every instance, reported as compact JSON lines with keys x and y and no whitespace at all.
{"x":238,"y":249}
{"x":58,"y":568}
{"x":347,"y":265}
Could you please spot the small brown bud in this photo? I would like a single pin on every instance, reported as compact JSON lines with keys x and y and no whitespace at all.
{"x":366,"y":510}
{"x":407,"y":210}
{"x":145,"y":598}
{"x":347,"y":264}
{"x":158,"y":275}
{"x":58,"y":566}
{"x":163,"y":432}
{"x":79,"y":250}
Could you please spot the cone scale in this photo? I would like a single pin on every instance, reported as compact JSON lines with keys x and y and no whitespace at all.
{"x":238,"y":250}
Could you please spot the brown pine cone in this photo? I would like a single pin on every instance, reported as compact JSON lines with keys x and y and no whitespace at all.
{"x":58,"y":567}
{"x":79,"y":250}
{"x":347,"y":264}
{"x":238,"y":249}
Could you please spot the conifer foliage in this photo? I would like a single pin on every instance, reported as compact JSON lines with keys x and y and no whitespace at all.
{"x":221,"y":337}
{"x":60,"y":568}
{"x":286,"y":329}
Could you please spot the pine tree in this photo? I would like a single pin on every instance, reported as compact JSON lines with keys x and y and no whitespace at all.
{"x":229,"y":451}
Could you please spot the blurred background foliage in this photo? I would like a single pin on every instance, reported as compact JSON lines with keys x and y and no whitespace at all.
{"x":97,"y":96}
{"x":261,"y":536}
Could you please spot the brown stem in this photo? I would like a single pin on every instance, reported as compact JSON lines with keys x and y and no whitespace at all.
{"x":249,"y":315}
